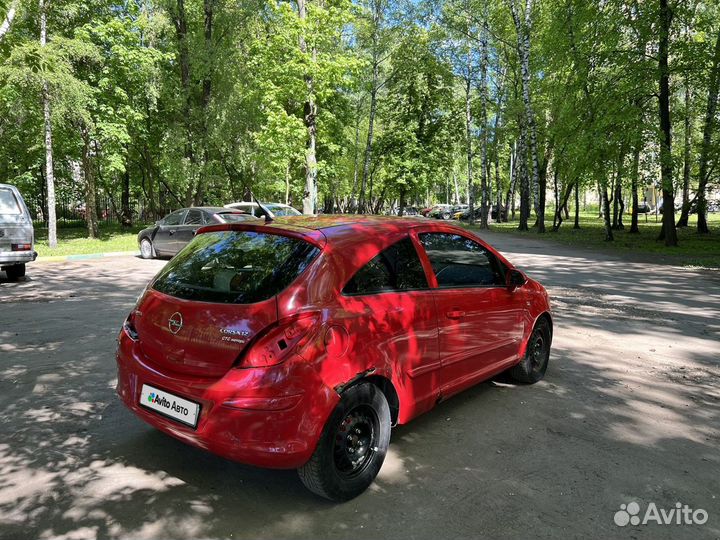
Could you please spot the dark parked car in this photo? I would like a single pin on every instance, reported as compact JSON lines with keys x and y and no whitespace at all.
{"x":643,"y":208}
{"x":441,"y":211}
{"x":171,"y":234}
{"x":477,"y":212}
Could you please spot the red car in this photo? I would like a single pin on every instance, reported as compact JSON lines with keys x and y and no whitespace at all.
{"x":298,"y":343}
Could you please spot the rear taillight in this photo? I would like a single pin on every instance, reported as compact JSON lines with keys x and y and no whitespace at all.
{"x":21,"y":247}
{"x":280,"y":341}
{"x":129,"y":326}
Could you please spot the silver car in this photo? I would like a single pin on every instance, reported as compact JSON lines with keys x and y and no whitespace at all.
{"x":17,"y":238}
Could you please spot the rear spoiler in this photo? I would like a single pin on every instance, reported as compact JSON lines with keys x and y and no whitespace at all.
{"x":313,"y":236}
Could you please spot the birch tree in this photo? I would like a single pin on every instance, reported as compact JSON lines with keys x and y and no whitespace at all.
{"x":49,"y":171}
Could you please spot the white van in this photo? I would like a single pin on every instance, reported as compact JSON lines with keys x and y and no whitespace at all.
{"x":17,"y":238}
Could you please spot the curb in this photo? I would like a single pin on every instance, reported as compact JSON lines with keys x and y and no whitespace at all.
{"x":85,"y":257}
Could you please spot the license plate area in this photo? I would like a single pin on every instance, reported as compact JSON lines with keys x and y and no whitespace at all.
{"x":170,"y":405}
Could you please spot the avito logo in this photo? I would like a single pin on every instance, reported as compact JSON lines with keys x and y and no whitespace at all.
{"x":681,"y":514}
{"x":160,"y":400}
{"x":174,"y":406}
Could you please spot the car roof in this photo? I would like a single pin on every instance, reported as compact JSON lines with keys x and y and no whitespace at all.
{"x":231,"y":205}
{"x":214,"y":209}
{"x":348,"y":228}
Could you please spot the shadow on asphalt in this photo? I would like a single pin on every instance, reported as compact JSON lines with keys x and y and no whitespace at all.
{"x":555,"y":458}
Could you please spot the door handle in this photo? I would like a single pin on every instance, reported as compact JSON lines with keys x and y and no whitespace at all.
{"x":455,"y":314}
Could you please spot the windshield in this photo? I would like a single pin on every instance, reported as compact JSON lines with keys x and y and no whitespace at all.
{"x":235,"y":267}
{"x":8,"y":202}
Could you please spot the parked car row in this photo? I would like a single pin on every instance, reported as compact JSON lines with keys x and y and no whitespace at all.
{"x":459,"y":212}
{"x":172,"y":233}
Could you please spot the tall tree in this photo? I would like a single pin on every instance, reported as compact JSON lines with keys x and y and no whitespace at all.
{"x":708,"y":130}
{"x":668,"y":232}
{"x":49,"y":169}
{"x":523,"y":27}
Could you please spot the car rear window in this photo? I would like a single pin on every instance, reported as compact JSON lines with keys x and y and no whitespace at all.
{"x":234,"y":217}
{"x":8,"y":202}
{"x":235,"y":267}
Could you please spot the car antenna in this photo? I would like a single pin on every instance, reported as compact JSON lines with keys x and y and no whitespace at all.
{"x":269,"y":216}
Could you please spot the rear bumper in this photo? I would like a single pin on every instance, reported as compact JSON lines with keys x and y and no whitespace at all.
{"x":9,"y":258}
{"x":268,"y":417}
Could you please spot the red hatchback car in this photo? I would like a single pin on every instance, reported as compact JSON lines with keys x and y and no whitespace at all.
{"x":298,"y":343}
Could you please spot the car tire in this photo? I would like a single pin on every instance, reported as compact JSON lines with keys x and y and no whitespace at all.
{"x":15,"y":271}
{"x":359,"y":427}
{"x":532,"y":367}
{"x":446,"y":216}
{"x":146,"y":249}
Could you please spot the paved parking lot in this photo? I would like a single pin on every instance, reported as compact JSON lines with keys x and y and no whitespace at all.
{"x":629,"y":411}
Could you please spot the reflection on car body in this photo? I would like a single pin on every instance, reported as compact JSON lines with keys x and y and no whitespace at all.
{"x":345,"y":325}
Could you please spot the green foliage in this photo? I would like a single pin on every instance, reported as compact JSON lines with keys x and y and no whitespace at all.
{"x":178,"y":107}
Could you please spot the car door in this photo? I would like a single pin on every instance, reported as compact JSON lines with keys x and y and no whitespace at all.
{"x":389,"y":309}
{"x":479,"y":318}
{"x":194,"y":219}
{"x":164,"y":235}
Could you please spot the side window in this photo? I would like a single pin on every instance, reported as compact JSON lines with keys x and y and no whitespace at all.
{"x":194,"y":217}
{"x":175,"y":218}
{"x":459,"y":262}
{"x":397,"y":268}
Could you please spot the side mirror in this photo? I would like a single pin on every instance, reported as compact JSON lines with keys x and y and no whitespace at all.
{"x":514,"y":279}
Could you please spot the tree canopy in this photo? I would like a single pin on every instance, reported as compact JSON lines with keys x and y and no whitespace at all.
{"x":347,"y":106}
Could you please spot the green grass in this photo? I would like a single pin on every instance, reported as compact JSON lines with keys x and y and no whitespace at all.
{"x":693,"y":249}
{"x":74,"y":241}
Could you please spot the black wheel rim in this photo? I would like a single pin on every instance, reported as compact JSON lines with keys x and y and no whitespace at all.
{"x":356,"y":441}
{"x":537,"y":351}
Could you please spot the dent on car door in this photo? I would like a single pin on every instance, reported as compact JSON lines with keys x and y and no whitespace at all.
{"x":479,"y":319}
{"x":390,"y":313}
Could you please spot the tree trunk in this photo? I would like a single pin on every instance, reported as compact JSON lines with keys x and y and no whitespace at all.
{"x":606,"y":210}
{"x":618,"y":204}
{"x":498,"y":186}
{"x":377,"y":20}
{"x":524,"y":182}
{"x":685,"y":213}
{"x":524,"y":29}
{"x":511,"y":188}
{"x":556,"y":196}
{"x":181,"y":30}
{"x":456,"y":187}
{"x":706,"y":149}
{"x":208,"y":7}
{"x":352,"y":206}
{"x":484,"y":140}
{"x":668,"y":232}
{"x":5,"y":26}
{"x":125,"y":213}
{"x":90,"y":199}
{"x":634,"y":229}
{"x":577,"y":205}
{"x":49,"y":172}
{"x":310,"y":119}
{"x":468,"y":148}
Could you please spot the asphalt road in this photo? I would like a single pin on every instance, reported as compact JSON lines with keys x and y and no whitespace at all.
{"x":629,"y":411}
